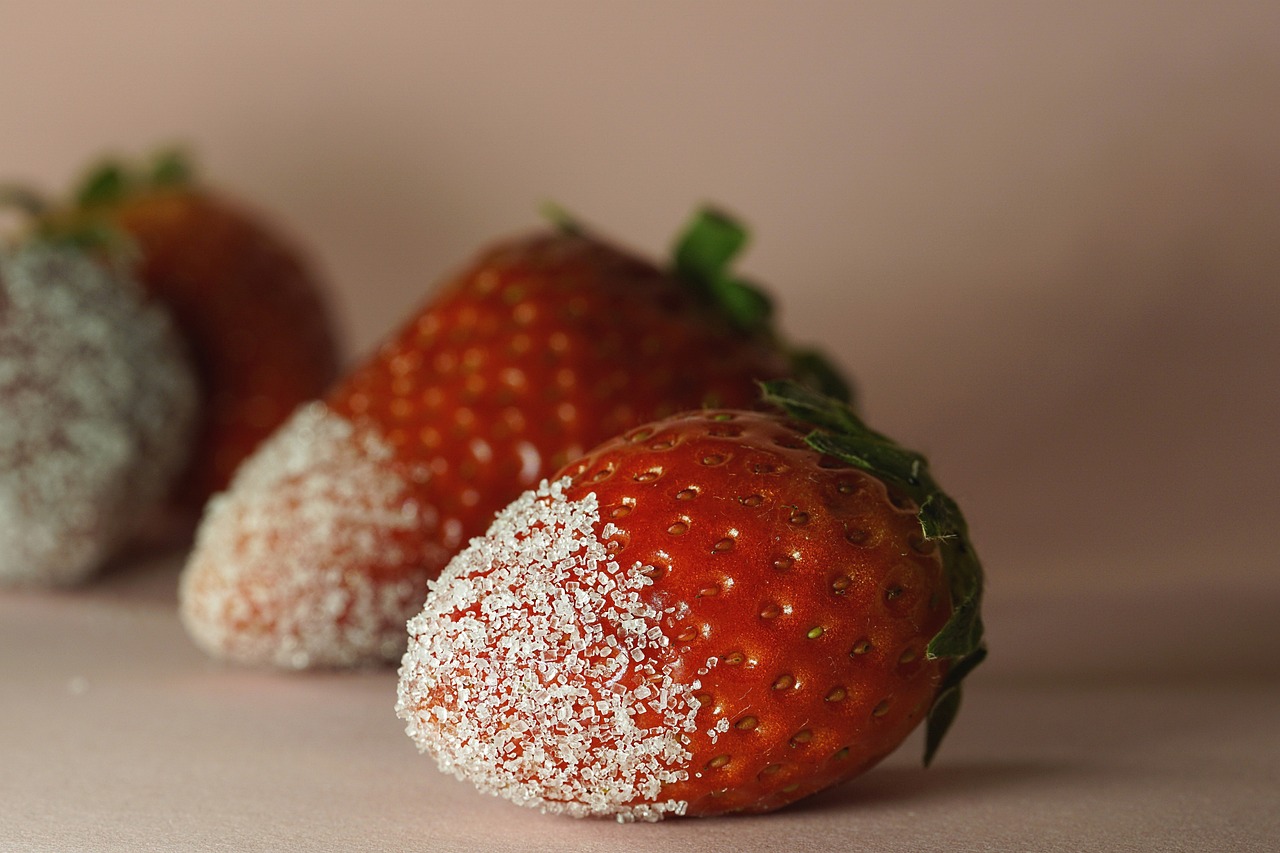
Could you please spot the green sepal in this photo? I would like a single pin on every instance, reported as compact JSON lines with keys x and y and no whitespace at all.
{"x":106,"y":184}
{"x":810,"y":406}
{"x":703,"y":257}
{"x":112,"y":181}
{"x":171,"y":167}
{"x":840,"y":433}
{"x":945,"y":707}
{"x":707,"y":246}
{"x":815,"y":370}
{"x":563,"y":221}
{"x":749,"y":308}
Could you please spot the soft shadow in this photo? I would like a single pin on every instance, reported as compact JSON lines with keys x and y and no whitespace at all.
{"x":144,"y":573}
{"x":917,"y":785}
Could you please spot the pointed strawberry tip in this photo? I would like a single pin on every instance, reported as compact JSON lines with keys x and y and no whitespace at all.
{"x":301,"y":563}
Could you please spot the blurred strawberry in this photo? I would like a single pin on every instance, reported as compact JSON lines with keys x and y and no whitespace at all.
{"x":98,"y":405}
{"x":252,"y":312}
{"x":542,"y":347}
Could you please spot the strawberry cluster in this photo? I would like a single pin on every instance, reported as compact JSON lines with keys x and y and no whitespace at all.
{"x":152,"y":333}
{"x":650,"y":559}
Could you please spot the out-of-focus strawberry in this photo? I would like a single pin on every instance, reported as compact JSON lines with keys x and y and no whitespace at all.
{"x":542,"y":347}
{"x":98,"y":405}
{"x":718,"y":612}
{"x":251,"y":310}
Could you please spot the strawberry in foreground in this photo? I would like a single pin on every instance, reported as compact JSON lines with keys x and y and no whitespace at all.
{"x":98,"y":405}
{"x":722,"y":611}
{"x":251,"y":311}
{"x":322,"y":547}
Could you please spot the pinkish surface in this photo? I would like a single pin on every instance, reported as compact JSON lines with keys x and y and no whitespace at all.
{"x":1043,"y":239}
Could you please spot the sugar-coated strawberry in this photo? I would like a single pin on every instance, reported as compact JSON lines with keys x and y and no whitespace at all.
{"x":98,"y":405}
{"x":543,"y":346}
{"x":248,"y":304}
{"x":723,"y":611}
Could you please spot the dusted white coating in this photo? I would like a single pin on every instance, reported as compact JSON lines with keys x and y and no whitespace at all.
{"x":536,"y":669}
{"x":97,"y":410}
{"x":280,"y":573}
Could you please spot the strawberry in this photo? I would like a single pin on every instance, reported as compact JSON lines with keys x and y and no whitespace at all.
{"x":98,"y":404}
{"x":543,"y":346}
{"x":250,"y":309}
{"x":722,"y":611}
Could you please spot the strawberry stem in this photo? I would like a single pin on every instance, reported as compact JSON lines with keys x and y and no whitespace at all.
{"x":842,"y":434}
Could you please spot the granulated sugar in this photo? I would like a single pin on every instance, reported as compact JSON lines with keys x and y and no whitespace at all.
{"x":281,"y":571}
{"x":97,"y":408}
{"x":535,"y":661}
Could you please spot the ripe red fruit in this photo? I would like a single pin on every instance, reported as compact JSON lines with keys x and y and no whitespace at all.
{"x":723,"y":611}
{"x":97,"y":408}
{"x":542,"y":347}
{"x":250,"y":309}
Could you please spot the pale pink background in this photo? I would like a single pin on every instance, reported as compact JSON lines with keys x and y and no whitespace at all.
{"x":1044,"y":238}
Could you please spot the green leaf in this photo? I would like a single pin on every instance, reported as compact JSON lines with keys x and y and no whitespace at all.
{"x":562,"y":219}
{"x":171,"y":168}
{"x":813,"y":369}
{"x":708,"y":245}
{"x":942,"y":713}
{"x":104,"y":185}
{"x":808,"y":405}
{"x":840,"y":433}
{"x":884,"y":459}
{"x":961,"y":634}
{"x":747,"y":305}
{"x":940,"y":517}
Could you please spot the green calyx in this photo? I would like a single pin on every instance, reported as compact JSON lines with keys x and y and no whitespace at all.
{"x":702,"y":258}
{"x":79,"y":221}
{"x":112,"y":181}
{"x":842,"y":434}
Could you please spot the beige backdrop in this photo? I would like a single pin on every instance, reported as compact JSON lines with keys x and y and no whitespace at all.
{"x":1043,"y":236}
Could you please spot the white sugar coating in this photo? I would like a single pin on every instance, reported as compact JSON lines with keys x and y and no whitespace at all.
{"x":98,"y":406}
{"x":535,"y":661}
{"x":280,"y":572}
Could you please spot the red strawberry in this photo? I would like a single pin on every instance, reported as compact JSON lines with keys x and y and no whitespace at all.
{"x":97,"y":409}
{"x":722,"y":611}
{"x":542,"y":347}
{"x":250,"y":309}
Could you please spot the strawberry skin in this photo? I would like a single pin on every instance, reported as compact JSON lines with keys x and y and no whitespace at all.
{"x":542,"y":347}
{"x":704,"y":615}
{"x":251,"y":311}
